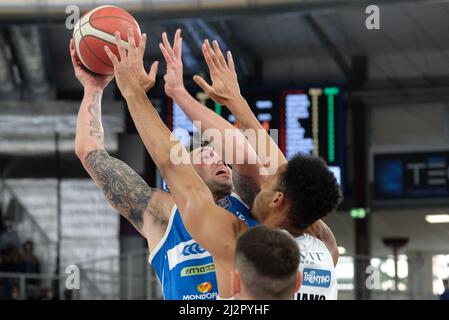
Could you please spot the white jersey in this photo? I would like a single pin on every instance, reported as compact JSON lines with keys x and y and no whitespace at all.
{"x":317,"y":270}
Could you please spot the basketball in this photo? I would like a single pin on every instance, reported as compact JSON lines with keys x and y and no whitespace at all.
{"x":96,"y":29}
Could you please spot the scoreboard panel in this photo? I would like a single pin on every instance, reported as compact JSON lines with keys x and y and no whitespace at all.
{"x":312,"y":122}
{"x":307,"y":120}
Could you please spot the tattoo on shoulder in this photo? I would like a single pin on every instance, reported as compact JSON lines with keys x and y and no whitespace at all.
{"x":123,"y":187}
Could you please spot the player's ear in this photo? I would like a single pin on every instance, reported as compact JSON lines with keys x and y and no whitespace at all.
{"x":236,"y":283}
{"x":298,"y":281}
{"x":277,"y":200}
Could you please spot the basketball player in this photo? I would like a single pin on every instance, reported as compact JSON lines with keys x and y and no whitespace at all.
{"x":318,"y":247}
{"x":321,"y":255}
{"x":266,"y":265}
{"x":184,"y":268}
{"x":174,"y":88}
{"x":300,"y":192}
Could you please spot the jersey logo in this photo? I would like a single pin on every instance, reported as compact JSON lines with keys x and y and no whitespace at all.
{"x":204,"y":287}
{"x":312,"y":256}
{"x":193,"y":248}
{"x":316,"y":278}
{"x":225,"y":203}
{"x":197,"y":270}
{"x":184,"y":251}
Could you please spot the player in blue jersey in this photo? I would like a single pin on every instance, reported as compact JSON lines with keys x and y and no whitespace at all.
{"x":211,"y":225}
{"x":185,"y":269}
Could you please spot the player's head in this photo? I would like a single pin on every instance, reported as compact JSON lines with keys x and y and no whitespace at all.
{"x":301,"y":192}
{"x":265,"y":265}
{"x":211,"y":168}
{"x":446,"y":284}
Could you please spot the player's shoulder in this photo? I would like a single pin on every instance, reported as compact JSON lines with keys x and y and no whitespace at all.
{"x":307,"y":241}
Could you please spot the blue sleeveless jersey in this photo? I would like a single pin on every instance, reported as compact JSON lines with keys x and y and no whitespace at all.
{"x":185,"y":270}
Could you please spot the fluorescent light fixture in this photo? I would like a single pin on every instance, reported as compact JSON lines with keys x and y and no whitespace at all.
{"x":341,"y":250}
{"x":437,"y":218}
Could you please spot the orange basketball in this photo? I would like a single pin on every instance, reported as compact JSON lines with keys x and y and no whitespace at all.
{"x":96,"y":29}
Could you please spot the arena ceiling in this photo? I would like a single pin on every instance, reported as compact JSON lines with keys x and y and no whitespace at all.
{"x":274,"y":42}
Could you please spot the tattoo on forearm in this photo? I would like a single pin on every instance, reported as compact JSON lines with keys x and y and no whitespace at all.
{"x":96,"y":129}
{"x":125,"y":190}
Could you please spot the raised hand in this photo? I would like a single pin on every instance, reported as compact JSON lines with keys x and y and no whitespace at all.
{"x":88,"y":80}
{"x":225,"y":87}
{"x":174,"y":83}
{"x":129,"y":71}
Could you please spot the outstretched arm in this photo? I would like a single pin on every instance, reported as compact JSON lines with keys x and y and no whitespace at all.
{"x":146,"y":208}
{"x":225,"y":90}
{"x":210,"y":225}
{"x":231,"y":144}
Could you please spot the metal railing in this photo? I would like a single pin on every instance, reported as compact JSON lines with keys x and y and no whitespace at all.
{"x":22,"y":286}
{"x":28,"y":229}
{"x":125,"y":277}
{"x":134,"y":279}
{"x":44,"y":248}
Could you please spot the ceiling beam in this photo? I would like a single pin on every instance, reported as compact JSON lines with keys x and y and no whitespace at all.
{"x":158,"y":10}
{"x":331,"y":48}
{"x":242,"y":58}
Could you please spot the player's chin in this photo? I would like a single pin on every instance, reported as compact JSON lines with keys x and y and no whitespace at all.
{"x":224,"y":181}
{"x":224,"y":178}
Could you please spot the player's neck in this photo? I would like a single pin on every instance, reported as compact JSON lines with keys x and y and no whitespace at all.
{"x":280,"y":221}
{"x":219,"y":195}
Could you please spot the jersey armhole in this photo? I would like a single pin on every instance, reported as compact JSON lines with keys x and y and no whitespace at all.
{"x":164,"y":238}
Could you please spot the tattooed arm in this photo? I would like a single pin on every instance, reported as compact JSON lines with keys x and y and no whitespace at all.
{"x":146,"y":208}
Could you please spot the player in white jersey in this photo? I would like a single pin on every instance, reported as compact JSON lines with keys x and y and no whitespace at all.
{"x":319,"y":253}
{"x":317,"y":268}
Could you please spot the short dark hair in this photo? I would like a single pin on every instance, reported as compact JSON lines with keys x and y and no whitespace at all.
{"x":311,"y":188}
{"x":268,"y":261}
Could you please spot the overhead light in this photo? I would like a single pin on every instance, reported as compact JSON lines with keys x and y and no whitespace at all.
{"x":437,"y":218}
{"x":341,"y":250}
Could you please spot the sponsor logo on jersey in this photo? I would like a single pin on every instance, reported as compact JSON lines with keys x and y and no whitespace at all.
{"x":311,"y":256}
{"x":316,"y":278}
{"x":204,"y":287}
{"x":202,"y":296}
{"x":184,"y":251}
{"x":225,"y":203}
{"x":197,"y":270}
{"x":193,"y":248}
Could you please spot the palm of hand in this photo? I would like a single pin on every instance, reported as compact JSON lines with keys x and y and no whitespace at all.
{"x":145,"y":80}
{"x":173,"y":80}
{"x":223,"y":89}
{"x":133,"y":75}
